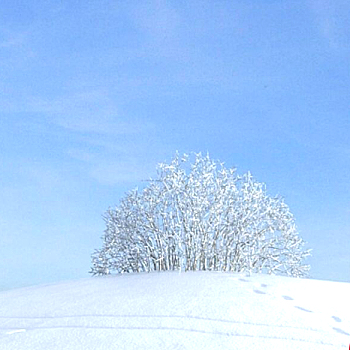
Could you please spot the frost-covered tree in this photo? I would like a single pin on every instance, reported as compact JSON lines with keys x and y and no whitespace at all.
{"x":200,"y":215}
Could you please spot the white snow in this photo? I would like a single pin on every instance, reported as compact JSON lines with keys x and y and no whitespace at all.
{"x":171,"y":310}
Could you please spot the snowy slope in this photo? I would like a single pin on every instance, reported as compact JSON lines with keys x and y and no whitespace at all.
{"x":169,"y":310}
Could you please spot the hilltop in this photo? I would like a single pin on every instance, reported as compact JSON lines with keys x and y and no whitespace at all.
{"x":172,"y":310}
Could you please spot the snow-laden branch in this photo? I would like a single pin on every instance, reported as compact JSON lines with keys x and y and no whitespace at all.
{"x":200,"y":216}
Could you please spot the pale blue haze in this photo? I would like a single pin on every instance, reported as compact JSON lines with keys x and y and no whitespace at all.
{"x":93,"y":94}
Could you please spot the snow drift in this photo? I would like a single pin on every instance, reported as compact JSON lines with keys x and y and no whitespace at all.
{"x":171,"y":310}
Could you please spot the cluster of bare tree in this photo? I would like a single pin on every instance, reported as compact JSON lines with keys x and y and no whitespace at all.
{"x":200,"y":216}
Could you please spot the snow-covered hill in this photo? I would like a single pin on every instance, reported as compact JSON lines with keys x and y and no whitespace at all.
{"x":169,"y":310}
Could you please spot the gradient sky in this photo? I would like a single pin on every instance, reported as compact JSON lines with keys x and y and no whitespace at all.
{"x":93,"y":94}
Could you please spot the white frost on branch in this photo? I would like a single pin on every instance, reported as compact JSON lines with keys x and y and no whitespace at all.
{"x":200,"y":216}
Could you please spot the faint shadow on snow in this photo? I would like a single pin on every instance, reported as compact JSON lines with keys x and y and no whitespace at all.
{"x":258,"y":291}
{"x":336,"y":319}
{"x":192,"y":329}
{"x":302,"y":309}
{"x":128,"y":316}
{"x":340,"y":331}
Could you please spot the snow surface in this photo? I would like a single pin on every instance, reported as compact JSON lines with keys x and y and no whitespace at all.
{"x":171,"y":310}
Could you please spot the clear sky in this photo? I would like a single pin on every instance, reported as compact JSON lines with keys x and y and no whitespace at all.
{"x":93,"y":94}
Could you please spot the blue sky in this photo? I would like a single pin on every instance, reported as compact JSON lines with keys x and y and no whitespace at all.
{"x":93,"y":94}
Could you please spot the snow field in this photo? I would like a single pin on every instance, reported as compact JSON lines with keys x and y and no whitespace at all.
{"x":169,"y":310}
